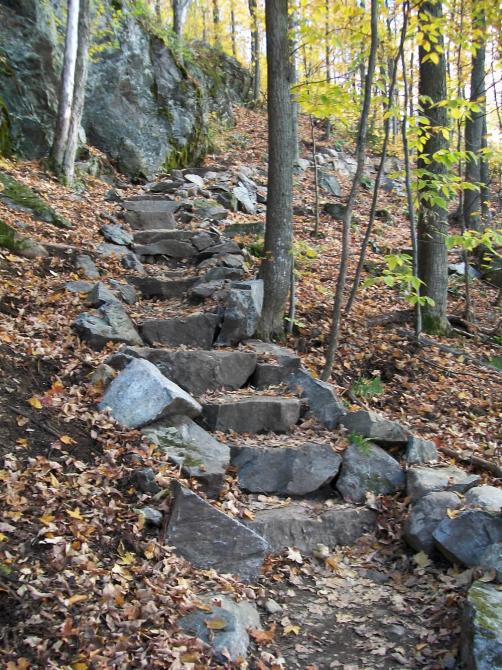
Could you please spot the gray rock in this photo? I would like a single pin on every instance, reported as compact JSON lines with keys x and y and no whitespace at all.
{"x":335,"y":210}
{"x":144,"y":481}
{"x":225,"y":247}
{"x":210,"y":539}
{"x":420,"y":451}
{"x":131,"y":262}
{"x":232,"y":641}
{"x":481,"y":637}
{"x":246,"y":198}
{"x":422,"y":480}
{"x":368,"y":469}
{"x":425,"y":516}
{"x":150,"y":214}
{"x":255,"y":228}
{"x":242,"y":312}
{"x":171,"y":248}
{"x":194,"y":450}
{"x":203,"y":240}
{"x":302,"y":164}
{"x":492,"y":560}
{"x":207,"y":289}
{"x":303,"y":526}
{"x":86,"y":266}
{"x":272,"y":606}
{"x":321,"y":397}
{"x":285,"y":471}
{"x":116,"y":234}
{"x":153,"y":516}
{"x":200,"y":371}
{"x":375,"y":427}
{"x":126,"y":291}
{"x":459,"y":269}
{"x":222,"y":273}
{"x":209,"y":209}
{"x":488,"y":498}
{"x":195,"y":179}
{"x":102,"y":375}
{"x":157,"y":287}
{"x":465,"y":538}
{"x":252,"y":415}
{"x":196,"y":330}
{"x":79,"y":286}
{"x":100,"y":295}
{"x":140,"y":395}
{"x":153,"y":236}
{"x":107,"y":250}
{"x":280,"y":363}
{"x":329,"y":183}
{"x":109,"y":324}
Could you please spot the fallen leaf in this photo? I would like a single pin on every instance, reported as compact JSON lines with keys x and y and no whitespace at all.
{"x":294,"y":629}
{"x":35,"y":403}
{"x":422,"y":559}
{"x":215,"y":624}
{"x":263,"y":636}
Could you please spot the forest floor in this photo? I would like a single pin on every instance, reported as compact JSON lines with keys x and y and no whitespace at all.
{"x":85,"y":585}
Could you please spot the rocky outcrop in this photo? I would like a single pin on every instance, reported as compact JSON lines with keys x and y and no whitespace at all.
{"x":147,"y":105}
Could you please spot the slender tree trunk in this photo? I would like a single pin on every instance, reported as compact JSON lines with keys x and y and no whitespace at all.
{"x":432,"y":220}
{"x":276,"y":266}
{"x":485,"y":178}
{"x":180,"y":9}
{"x":474,"y":124}
{"x":255,"y":50}
{"x":381,"y":166}
{"x":233,"y":28}
{"x":316,"y":177}
{"x":294,"y":74}
{"x":216,"y":22}
{"x":327,"y":58}
{"x":84,"y":36}
{"x":67,"y":87}
{"x":347,"y":219}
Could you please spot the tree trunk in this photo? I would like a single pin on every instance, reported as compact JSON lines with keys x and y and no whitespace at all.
{"x":474,"y":125}
{"x":67,"y":87}
{"x":356,"y":182}
{"x":276,"y":265}
{"x":293,"y":31}
{"x":255,"y":50}
{"x":84,"y":35}
{"x":432,"y":226}
{"x":233,"y":29}
{"x":216,"y":22}
{"x":180,"y":9}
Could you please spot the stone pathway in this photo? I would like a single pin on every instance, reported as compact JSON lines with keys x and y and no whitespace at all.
{"x":193,"y":380}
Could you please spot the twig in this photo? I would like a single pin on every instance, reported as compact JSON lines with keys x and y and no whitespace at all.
{"x":477,"y":461}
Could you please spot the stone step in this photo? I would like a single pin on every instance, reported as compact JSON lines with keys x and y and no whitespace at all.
{"x":167,"y":247}
{"x":304,"y":525}
{"x":158,"y":287}
{"x":196,"y":371}
{"x":152,"y":236}
{"x":150,"y":214}
{"x":259,"y":414}
{"x":197,"y":330}
{"x":194,"y":450}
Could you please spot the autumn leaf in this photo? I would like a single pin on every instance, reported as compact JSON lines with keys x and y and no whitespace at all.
{"x":66,"y":439}
{"x":291,"y":629}
{"x":35,"y":402}
{"x":75,"y":514}
{"x":78,"y":598}
{"x":422,"y":559}
{"x":216,"y":624}
{"x":263,"y":636}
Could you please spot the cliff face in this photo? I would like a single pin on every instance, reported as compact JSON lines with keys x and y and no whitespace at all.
{"x":149,"y":105}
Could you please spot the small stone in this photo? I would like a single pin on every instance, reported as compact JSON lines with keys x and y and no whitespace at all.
{"x":116,"y":234}
{"x":100,"y":295}
{"x":79,"y":286}
{"x":126,"y":291}
{"x":321,"y":396}
{"x":144,"y":481}
{"x":109,"y":324}
{"x":152,"y":516}
{"x":272,"y":606}
{"x":86,"y":266}
{"x":420,"y":451}
{"x":102,"y":375}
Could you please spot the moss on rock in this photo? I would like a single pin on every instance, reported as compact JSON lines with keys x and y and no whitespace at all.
{"x":14,"y":193}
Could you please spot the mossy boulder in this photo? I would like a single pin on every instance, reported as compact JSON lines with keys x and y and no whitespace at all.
{"x":482,"y":628}
{"x":18,"y":196}
{"x":11,"y":240}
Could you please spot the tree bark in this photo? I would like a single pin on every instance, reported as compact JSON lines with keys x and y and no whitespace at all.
{"x":255,"y":50}
{"x":474,"y":125}
{"x":432,"y":226}
{"x":180,"y":9}
{"x":356,"y":182}
{"x":276,"y":265}
{"x":67,"y":86}
{"x":84,"y":36}
{"x":233,"y":29}
{"x":216,"y":22}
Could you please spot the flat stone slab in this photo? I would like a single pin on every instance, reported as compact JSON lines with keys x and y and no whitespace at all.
{"x":481,"y":637}
{"x":150,"y":205}
{"x":171,"y":248}
{"x":196,"y":330}
{"x":284,"y":470}
{"x":140,"y":394}
{"x":108,"y":324}
{"x":150,"y":214}
{"x":321,"y":397}
{"x":210,"y":539}
{"x":230,"y":641}
{"x":420,"y":451}
{"x":366,"y":469}
{"x":200,"y":371}
{"x":116,"y":234}
{"x":425,"y":516}
{"x":303,"y":526}
{"x":375,"y":427}
{"x":193,"y":449}
{"x":275,"y":364}
{"x":152,"y":236}
{"x":422,"y":480}
{"x":156,"y":287}
{"x":464,"y":538}
{"x":252,"y":415}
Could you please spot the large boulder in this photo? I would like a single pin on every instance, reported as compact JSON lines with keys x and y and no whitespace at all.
{"x":141,"y":394}
{"x":229,"y":641}
{"x":193,"y":449}
{"x":242,"y":312}
{"x":422,"y":480}
{"x":488,"y":498}
{"x":323,"y":402}
{"x":285,"y":470}
{"x":481,"y":638}
{"x":196,"y":330}
{"x":367,"y":468}
{"x":108,"y":324}
{"x":210,"y":539}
